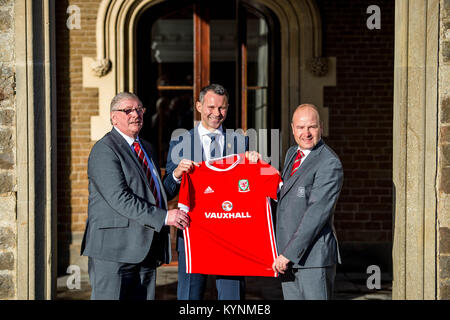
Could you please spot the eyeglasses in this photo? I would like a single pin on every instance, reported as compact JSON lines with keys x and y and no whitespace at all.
{"x":129,"y":111}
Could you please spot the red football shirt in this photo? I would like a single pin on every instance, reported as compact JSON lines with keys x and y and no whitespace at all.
{"x":231,"y":230}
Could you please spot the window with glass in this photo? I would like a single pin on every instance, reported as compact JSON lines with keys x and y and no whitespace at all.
{"x":185,"y":45}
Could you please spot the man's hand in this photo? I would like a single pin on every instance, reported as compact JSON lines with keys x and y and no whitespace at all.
{"x":253,"y":156}
{"x":280,"y":264}
{"x":178,"y":218}
{"x":185,"y":165}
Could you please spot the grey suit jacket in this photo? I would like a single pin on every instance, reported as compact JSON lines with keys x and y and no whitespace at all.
{"x":123,"y":222}
{"x":304,"y":220}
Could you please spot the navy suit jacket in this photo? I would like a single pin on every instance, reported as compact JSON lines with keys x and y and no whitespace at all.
{"x":188,"y":145}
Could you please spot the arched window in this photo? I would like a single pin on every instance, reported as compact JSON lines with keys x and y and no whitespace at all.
{"x":268,"y":53}
{"x":183,"y":46}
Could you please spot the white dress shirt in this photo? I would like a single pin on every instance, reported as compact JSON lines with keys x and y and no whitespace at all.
{"x":206,"y":142}
{"x":306,"y":152}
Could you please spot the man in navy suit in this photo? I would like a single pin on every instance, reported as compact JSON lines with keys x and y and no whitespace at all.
{"x":207,"y":140}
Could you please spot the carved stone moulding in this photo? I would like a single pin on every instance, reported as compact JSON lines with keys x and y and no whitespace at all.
{"x":101,"y":67}
{"x":319,"y":66}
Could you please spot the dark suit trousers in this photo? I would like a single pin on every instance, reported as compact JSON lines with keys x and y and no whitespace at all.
{"x":192,"y":286}
{"x":122,"y":281}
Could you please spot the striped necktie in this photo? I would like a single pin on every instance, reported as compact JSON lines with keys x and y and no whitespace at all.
{"x":143,"y":161}
{"x":297,"y":161}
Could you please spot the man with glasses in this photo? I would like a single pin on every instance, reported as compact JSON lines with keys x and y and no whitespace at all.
{"x":127,"y":234}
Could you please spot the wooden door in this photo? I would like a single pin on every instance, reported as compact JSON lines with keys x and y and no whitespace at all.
{"x":184,"y":46}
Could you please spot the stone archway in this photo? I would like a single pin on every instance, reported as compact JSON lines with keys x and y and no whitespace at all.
{"x":304,"y":71}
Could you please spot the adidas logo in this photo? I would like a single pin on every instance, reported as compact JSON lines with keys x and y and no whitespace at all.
{"x":209,"y":190}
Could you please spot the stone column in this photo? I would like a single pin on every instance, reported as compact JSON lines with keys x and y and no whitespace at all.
{"x":8,"y":230}
{"x":415,"y":152}
{"x":443,"y":185}
{"x":35,"y":151}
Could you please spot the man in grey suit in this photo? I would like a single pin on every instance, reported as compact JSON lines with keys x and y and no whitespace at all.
{"x":306,"y":240}
{"x":127,"y":234}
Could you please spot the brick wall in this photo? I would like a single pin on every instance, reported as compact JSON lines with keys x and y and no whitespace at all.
{"x":76,"y":105}
{"x":361,"y":111}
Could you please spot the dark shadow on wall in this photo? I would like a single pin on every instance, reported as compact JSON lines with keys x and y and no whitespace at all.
{"x":360,"y":118}
{"x":63,"y":127}
{"x":40,"y":155}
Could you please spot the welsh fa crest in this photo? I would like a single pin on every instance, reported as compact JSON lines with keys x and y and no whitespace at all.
{"x":244,"y":185}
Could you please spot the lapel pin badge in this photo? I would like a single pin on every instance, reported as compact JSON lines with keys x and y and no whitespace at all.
{"x":301,"y":192}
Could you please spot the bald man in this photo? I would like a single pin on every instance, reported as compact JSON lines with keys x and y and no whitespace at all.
{"x":306,"y":240}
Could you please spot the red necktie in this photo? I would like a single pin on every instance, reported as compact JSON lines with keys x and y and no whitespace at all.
{"x":143,"y":161}
{"x":297,"y":161}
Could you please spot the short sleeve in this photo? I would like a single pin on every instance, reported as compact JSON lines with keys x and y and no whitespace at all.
{"x":184,"y":198}
{"x":270,"y":179}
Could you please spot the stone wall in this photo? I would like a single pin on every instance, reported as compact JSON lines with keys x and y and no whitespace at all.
{"x":443,"y":184}
{"x":8,"y":229}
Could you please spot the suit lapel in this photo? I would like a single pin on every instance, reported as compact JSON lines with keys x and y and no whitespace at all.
{"x":128,"y":150}
{"x":227,"y":150}
{"x":287,"y":165}
{"x":132,"y":154}
{"x":149,"y":152}
{"x":197,"y":146}
{"x":158,"y":179}
{"x":302,"y":170}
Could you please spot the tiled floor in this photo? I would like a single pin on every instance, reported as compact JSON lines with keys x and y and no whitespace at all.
{"x":350,"y":286}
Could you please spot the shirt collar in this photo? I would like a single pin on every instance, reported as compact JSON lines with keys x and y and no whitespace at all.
{"x":129,"y":139}
{"x":308,"y":151}
{"x":305,"y":151}
{"x":202,"y":131}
